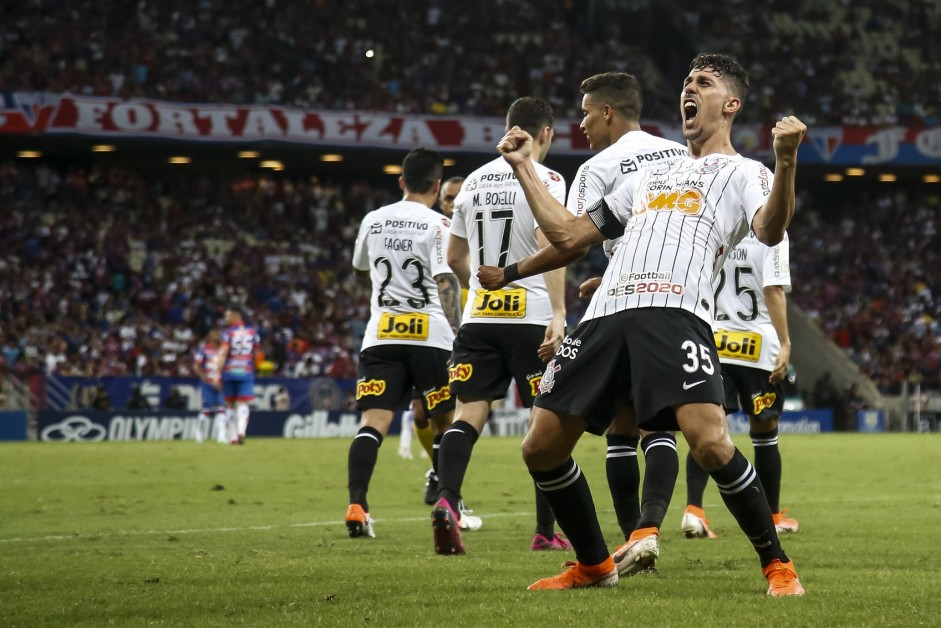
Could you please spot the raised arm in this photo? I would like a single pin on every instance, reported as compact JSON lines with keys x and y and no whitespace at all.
{"x":563,"y":230}
{"x":555,"y":285}
{"x":775,"y":215}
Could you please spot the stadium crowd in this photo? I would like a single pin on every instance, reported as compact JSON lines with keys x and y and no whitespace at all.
{"x":111,"y":273}
{"x":836,"y":62}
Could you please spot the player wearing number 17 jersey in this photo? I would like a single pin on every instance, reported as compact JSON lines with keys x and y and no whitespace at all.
{"x":415,"y":311}
{"x":506,"y":334}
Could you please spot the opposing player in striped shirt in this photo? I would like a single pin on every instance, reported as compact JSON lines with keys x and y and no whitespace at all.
{"x":648,"y":330}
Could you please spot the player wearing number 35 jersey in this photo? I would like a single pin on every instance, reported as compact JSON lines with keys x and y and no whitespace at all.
{"x":415,"y":311}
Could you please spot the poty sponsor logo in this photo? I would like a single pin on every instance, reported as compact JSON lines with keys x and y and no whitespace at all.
{"x":763,"y":402}
{"x":372,"y":387}
{"x":74,"y":428}
{"x":435,"y":397}
{"x":460,"y":372}
{"x":534,"y":384}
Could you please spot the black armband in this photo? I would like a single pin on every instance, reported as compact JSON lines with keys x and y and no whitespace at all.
{"x":511,"y":273}
{"x":607,"y":223}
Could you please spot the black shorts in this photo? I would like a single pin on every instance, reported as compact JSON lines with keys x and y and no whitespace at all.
{"x":748,"y":389}
{"x":662,"y":357}
{"x":487,"y":356}
{"x":388,"y":374}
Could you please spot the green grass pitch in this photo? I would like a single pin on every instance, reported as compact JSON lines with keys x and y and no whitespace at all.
{"x":179,"y":534}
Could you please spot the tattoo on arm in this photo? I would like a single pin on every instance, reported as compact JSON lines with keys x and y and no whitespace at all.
{"x":449,"y":290}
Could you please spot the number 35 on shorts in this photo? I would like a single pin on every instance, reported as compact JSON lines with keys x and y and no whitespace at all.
{"x":698,"y":358}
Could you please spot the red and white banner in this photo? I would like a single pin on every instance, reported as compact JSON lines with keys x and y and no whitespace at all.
{"x":54,"y":114}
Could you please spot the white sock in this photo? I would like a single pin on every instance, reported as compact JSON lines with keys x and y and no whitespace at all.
{"x":201,"y":426}
{"x":241,"y":410}
{"x":405,"y":436}
{"x":223,"y":420}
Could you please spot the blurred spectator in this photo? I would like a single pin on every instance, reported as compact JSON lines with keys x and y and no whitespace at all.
{"x":175,"y":400}
{"x":101,"y":401}
{"x":137,"y":400}
{"x":281,"y":400}
{"x":865,"y":62}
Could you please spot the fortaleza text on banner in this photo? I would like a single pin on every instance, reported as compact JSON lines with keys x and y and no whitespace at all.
{"x":56,"y":114}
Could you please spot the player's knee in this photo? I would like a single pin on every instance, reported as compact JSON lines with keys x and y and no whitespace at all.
{"x":712,"y":453}
{"x":765,"y":422}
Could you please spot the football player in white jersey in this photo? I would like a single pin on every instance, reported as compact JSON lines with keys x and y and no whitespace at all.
{"x":754,"y":349}
{"x":648,"y":331}
{"x":506,"y":334}
{"x":611,"y":106}
{"x":414,"y":314}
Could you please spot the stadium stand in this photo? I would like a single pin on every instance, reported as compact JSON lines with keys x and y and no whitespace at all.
{"x":840,"y":63}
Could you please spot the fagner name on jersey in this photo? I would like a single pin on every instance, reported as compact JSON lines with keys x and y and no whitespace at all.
{"x":395,"y":244}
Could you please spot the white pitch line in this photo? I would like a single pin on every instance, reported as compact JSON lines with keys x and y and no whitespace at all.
{"x":316,"y":524}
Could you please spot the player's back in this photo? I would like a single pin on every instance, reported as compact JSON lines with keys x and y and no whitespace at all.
{"x":633,"y":153}
{"x":205,"y":359}
{"x":492,"y":214}
{"x":404,"y":247}
{"x":745,"y":333}
{"x":242,"y":341}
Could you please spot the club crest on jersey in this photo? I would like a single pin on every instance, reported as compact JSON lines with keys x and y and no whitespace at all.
{"x":548,"y":378}
{"x":434,"y":397}
{"x":710,"y":166}
{"x":738,"y":345}
{"x":763,"y":402}
{"x":402,"y":326}
{"x":370,"y":388}
{"x":460,"y":372}
{"x":499,"y":303}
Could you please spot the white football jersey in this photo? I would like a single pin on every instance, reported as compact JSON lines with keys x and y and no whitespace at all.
{"x":633,"y":153}
{"x":745,"y":334}
{"x":681,"y":220}
{"x":492,"y":214}
{"x":404,"y":246}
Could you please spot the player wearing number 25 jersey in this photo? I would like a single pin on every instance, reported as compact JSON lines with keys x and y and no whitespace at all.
{"x":415,"y":310}
{"x":237,"y":353}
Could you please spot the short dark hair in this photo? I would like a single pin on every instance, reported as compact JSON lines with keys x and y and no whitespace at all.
{"x":457,"y":180}
{"x":421,"y":169}
{"x":530,"y":114}
{"x":235,"y":308}
{"x":726,"y":67}
{"x":620,"y":90}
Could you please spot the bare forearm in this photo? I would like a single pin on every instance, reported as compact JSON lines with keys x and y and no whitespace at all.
{"x":776,"y":300}
{"x":773,"y":218}
{"x":449,"y":292}
{"x":562,"y":229}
